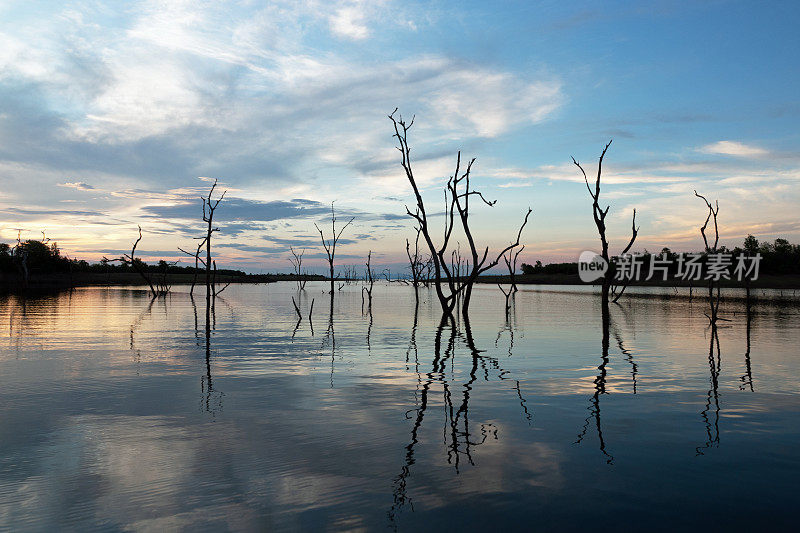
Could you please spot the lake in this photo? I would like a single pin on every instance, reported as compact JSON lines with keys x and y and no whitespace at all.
{"x":121,"y":413}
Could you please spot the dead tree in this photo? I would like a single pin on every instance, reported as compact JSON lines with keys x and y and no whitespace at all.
{"x":369,"y":282}
{"x":214,"y":290}
{"x":297,"y":310}
{"x":330,"y":245}
{"x":348,"y":274}
{"x":510,"y":260}
{"x":511,"y":263}
{"x":164,"y":286}
{"x":20,"y":253}
{"x":713,"y":299}
{"x":600,"y":221}
{"x":449,"y":288}
{"x":209,"y":207}
{"x":131,"y":260}
{"x":197,"y":261}
{"x":297,"y":264}
{"x":416,"y":262}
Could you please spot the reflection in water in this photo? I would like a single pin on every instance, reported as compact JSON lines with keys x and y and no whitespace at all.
{"x":509,"y":325}
{"x":710,"y":414}
{"x":330,"y":336}
{"x":747,"y":379}
{"x":101,"y":427}
{"x":629,"y":357}
{"x":523,"y":403}
{"x":369,"y":326}
{"x":211,"y":400}
{"x":137,"y":354}
{"x":599,"y":388}
{"x":460,"y":438}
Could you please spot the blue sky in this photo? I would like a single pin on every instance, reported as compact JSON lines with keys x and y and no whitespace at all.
{"x":116,"y":114}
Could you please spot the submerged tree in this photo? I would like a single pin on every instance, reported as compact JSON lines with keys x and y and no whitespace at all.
{"x":510,"y":260}
{"x":330,"y":244}
{"x":600,"y":221}
{"x":209,"y":207}
{"x":369,"y":282}
{"x":297,"y":264}
{"x":713,"y":299}
{"x":138,"y":266}
{"x":449,"y":286}
{"x":419,"y":265}
{"x":197,"y":261}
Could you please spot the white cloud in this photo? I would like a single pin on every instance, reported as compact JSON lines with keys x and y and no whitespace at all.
{"x":733,"y":148}
{"x":348,"y":22}
{"x":77,"y":185}
{"x":493,"y":102}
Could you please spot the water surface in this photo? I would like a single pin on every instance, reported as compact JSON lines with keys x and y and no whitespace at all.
{"x":118,"y":412}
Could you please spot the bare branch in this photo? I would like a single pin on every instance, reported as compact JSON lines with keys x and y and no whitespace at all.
{"x":634,"y":233}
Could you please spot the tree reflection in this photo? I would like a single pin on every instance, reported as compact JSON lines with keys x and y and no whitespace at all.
{"x":710,"y":414}
{"x":211,"y":400}
{"x":137,"y":354}
{"x":747,"y":379}
{"x":330,"y":337}
{"x":628,"y":357}
{"x":460,"y":436}
{"x":599,"y":388}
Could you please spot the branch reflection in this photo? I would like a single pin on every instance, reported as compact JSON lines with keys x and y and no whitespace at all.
{"x":599,"y":388}
{"x":460,"y":437}
{"x":710,"y":414}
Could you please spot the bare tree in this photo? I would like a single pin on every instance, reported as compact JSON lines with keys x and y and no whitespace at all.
{"x":209,"y":207}
{"x":511,"y":263}
{"x":164,"y":286}
{"x":197,"y":261}
{"x":510,"y":259}
{"x":20,"y":253}
{"x":330,"y":244}
{"x":449,"y":288}
{"x":348,"y":274}
{"x":214,"y":290}
{"x":420,"y":266}
{"x":600,"y":221}
{"x":369,"y":282}
{"x":297,"y":264}
{"x":713,"y":299}
{"x":131,"y":260}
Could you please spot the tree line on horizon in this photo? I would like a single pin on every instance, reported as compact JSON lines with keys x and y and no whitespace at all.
{"x":450,"y":265}
{"x":779,"y":257}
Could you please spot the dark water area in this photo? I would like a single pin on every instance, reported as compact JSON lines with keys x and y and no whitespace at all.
{"x":121,"y":413}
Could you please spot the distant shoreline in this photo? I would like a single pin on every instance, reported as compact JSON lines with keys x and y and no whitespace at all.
{"x":787,"y":281}
{"x":92,"y":279}
{"x":95,"y":279}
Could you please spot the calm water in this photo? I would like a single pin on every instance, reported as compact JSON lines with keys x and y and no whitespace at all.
{"x":117,"y":414}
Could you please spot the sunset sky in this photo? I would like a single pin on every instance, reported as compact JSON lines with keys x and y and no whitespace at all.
{"x":114,"y":114}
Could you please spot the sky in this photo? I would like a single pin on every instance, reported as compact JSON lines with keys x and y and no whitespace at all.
{"x":118,"y":114}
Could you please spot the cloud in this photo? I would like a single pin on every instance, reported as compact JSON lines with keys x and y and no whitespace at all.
{"x":512,"y":184}
{"x":734,"y":148}
{"x":77,"y":185}
{"x":348,"y":22}
{"x":240,"y":209}
{"x":494,"y":102}
{"x":52,"y":212}
{"x":253,"y":248}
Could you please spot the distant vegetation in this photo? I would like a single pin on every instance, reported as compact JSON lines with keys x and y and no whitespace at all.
{"x":42,"y":265}
{"x":46,"y":258}
{"x":777,"y":258}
